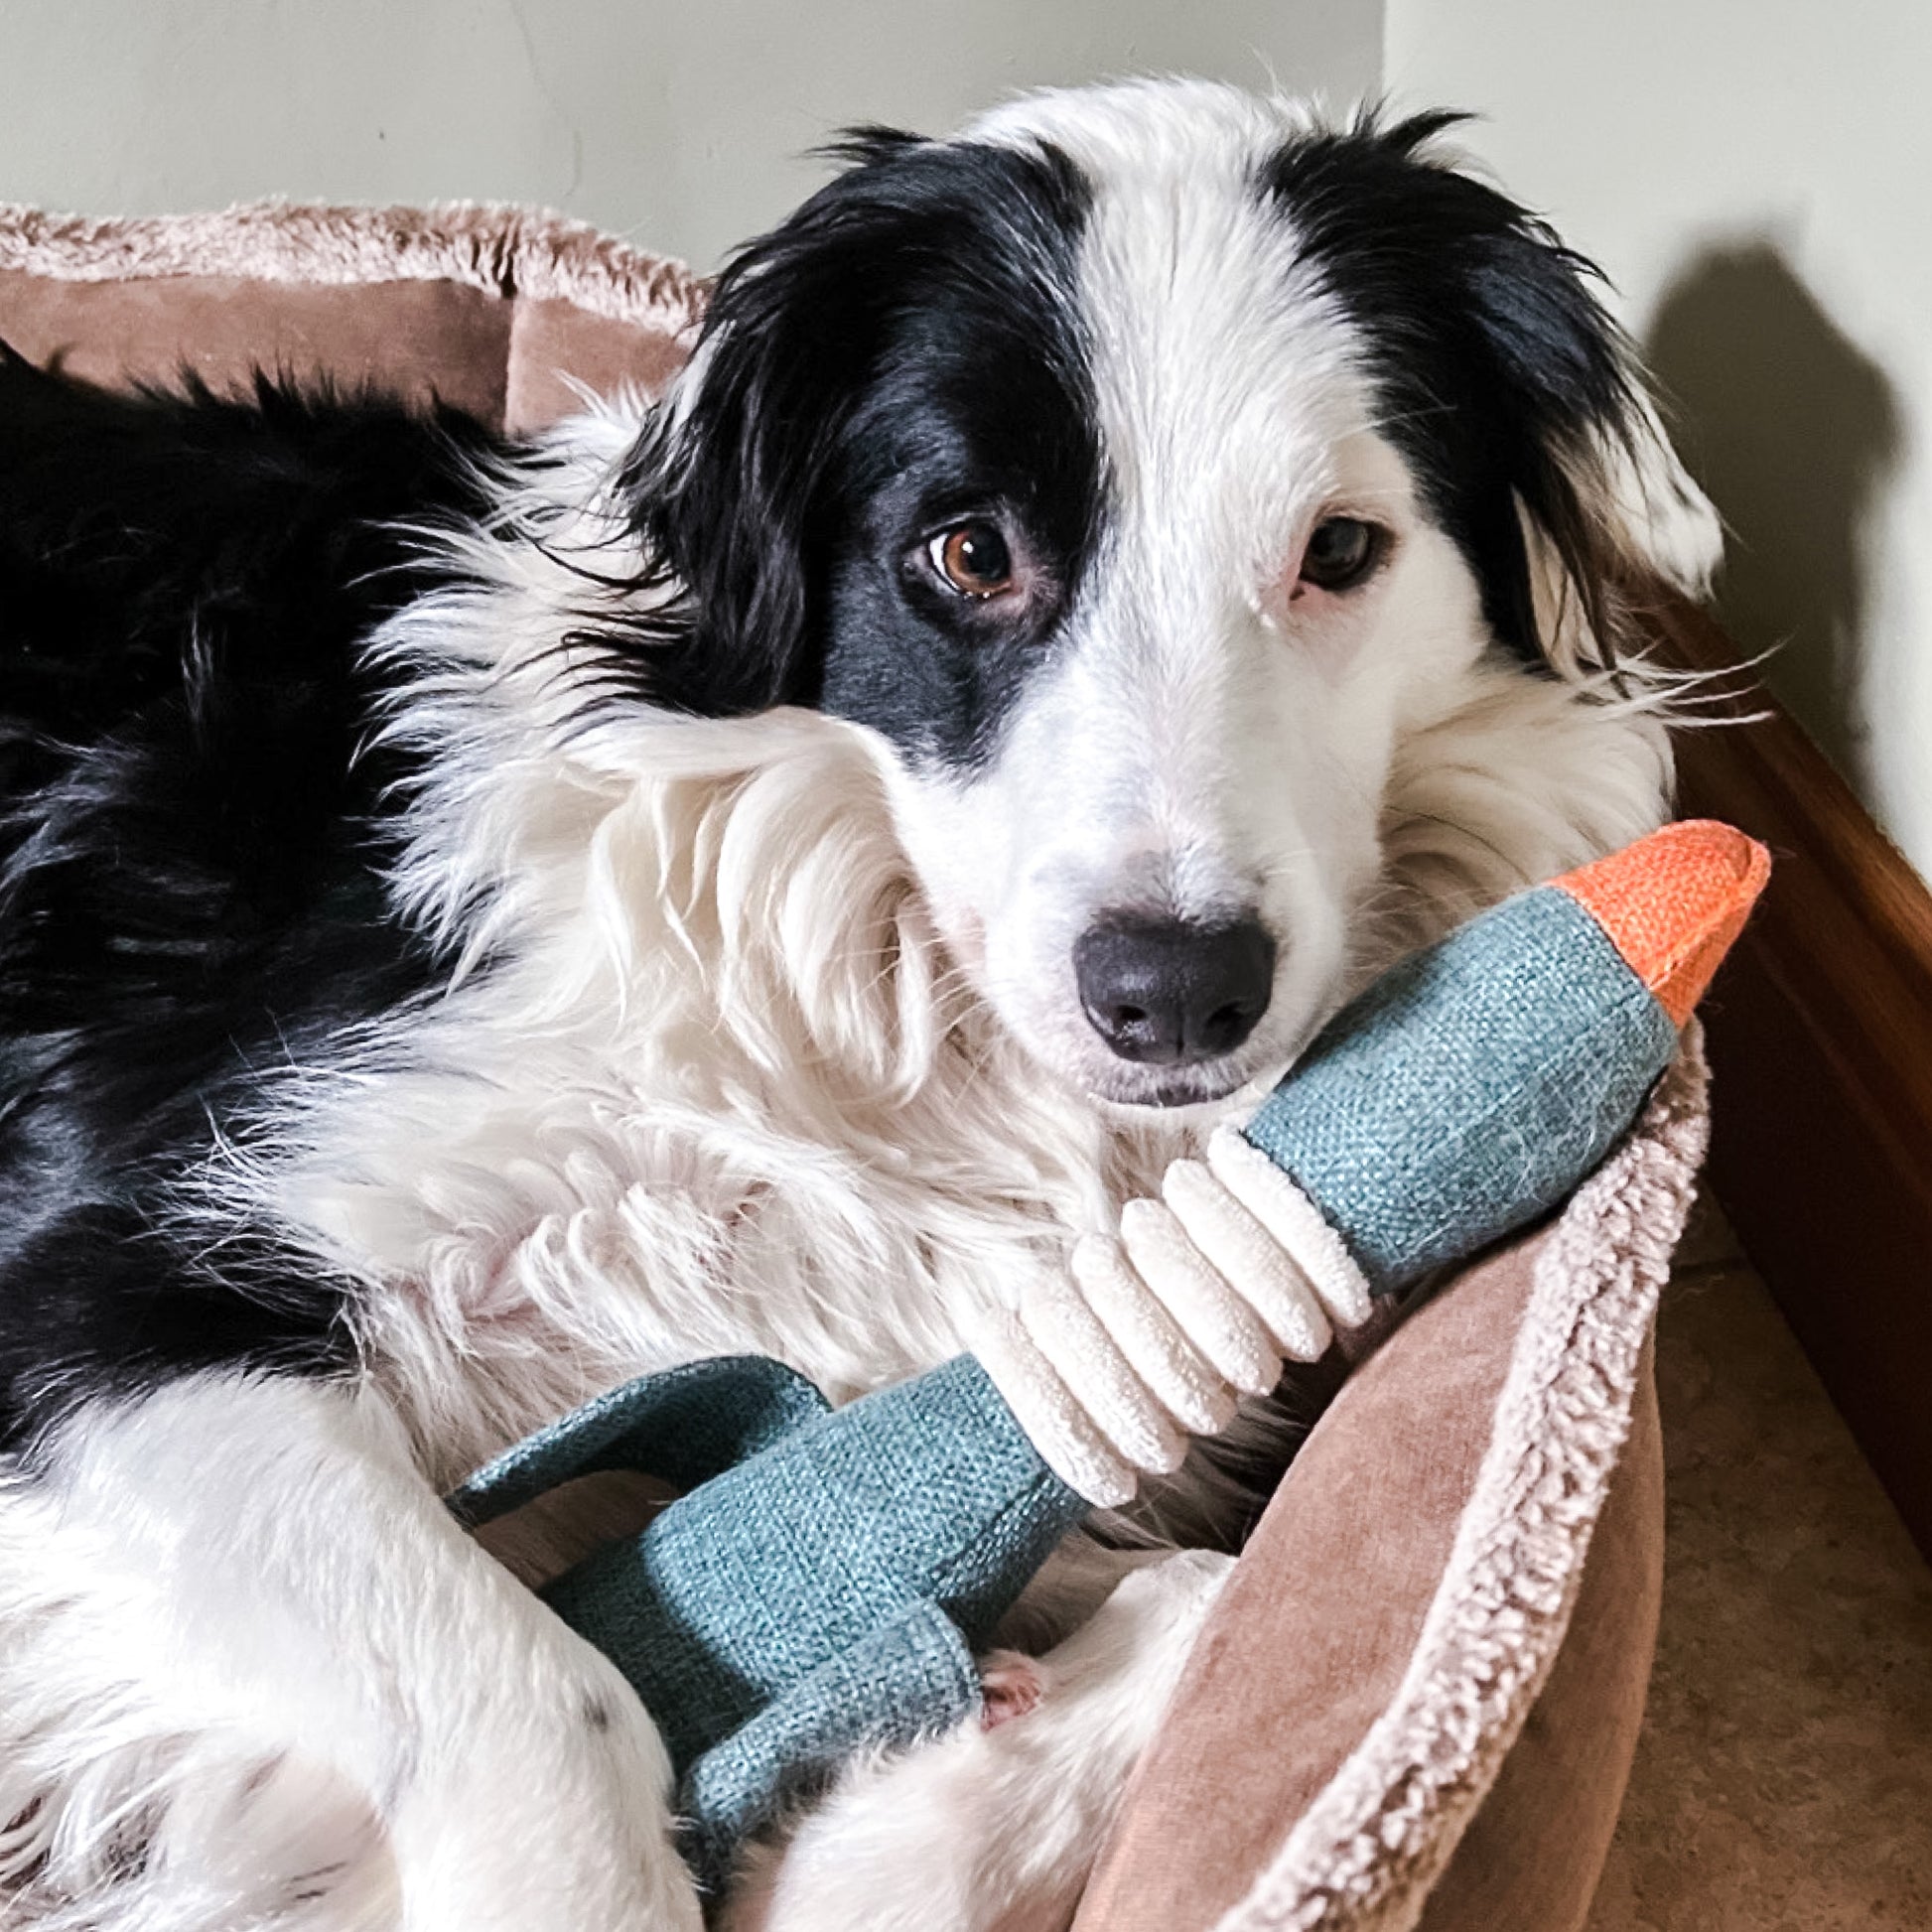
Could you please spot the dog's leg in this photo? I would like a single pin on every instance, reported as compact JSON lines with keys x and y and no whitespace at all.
{"x":992,"y":1825}
{"x":253,"y":1674}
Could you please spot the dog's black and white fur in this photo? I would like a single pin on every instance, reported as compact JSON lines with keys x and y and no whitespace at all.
{"x":479,"y":922}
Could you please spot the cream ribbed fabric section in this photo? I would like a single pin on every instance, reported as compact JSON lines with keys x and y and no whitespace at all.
{"x":1157,"y":1334}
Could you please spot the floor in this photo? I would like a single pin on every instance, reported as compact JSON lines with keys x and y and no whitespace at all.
{"x":1783,"y":1782}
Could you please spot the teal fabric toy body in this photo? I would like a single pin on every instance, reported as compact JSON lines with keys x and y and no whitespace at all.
{"x":822,"y":1584}
{"x":1472,"y":1086}
{"x":1468,"y":1089}
{"x":827,"y":1575}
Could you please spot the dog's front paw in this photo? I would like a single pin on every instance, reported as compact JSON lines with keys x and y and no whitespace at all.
{"x":560,"y":1819}
{"x":1011,"y":1685}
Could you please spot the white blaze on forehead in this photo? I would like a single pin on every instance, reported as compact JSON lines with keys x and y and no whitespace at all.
{"x":1222,"y":373}
{"x":1225,"y":392}
{"x":1191,"y":745}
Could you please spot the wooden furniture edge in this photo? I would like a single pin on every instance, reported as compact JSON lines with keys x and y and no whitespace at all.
{"x":1819,"y":1031}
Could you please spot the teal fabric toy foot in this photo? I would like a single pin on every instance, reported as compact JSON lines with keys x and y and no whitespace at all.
{"x":822,"y":1584}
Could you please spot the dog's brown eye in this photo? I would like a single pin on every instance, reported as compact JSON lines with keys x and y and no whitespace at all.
{"x":974,"y":559}
{"x":1341,"y":551}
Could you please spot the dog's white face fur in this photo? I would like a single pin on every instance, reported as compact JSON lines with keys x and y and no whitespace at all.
{"x":1189,"y":732}
{"x":1205,"y":747}
{"x":1213,"y":737}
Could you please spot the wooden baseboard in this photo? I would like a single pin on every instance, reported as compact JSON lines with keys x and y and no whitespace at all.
{"x":1820,"y":1029}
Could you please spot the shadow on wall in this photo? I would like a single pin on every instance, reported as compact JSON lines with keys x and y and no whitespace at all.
{"x":1794,"y":432}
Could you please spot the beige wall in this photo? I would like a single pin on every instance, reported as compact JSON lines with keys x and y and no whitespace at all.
{"x":677,"y":121}
{"x":1756,"y":176}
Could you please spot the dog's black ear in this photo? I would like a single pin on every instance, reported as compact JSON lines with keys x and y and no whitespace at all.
{"x":730,"y":485}
{"x":727,"y":483}
{"x":1503,"y":379}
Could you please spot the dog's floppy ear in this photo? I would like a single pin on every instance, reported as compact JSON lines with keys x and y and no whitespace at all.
{"x":1515,"y":395}
{"x":730,"y":487}
{"x":727,"y":479}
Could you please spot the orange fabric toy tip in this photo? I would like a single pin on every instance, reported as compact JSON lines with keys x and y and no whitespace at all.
{"x":1672,"y":903}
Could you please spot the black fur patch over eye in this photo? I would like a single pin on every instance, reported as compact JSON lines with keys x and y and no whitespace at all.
{"x":1494,"y":363}
{"x":899,"y":356}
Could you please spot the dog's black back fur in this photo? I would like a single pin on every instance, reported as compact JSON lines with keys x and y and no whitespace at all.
{"x":193,"y":806}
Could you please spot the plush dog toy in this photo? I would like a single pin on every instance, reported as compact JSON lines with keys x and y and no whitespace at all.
{"x":825,"y":1578}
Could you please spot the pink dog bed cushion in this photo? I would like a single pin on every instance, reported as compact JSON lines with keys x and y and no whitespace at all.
{"x":1417,"y":1703}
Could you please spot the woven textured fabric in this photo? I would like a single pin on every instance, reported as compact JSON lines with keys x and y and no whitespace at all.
{"x":824,"y":1590}
{"x":1674,"y":904}
{"x":685,"y":1426}
{"x":911,"y":1676}
{"x":1467,"y":1091}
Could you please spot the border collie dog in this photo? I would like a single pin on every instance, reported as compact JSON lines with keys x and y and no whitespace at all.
{"x":762,"y":872}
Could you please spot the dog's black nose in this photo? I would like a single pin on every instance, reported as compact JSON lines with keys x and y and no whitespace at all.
{"x":1171,"y":992}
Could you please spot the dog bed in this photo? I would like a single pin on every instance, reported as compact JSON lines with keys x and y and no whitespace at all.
{"x":1417,"y":1703}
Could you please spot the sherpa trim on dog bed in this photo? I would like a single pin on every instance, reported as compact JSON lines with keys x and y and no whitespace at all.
{"x":1417,"y":1703}
{"x":484,"y":306}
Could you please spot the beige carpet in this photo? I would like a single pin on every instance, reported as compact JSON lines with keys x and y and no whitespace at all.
{"x":1783,"y":1782}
